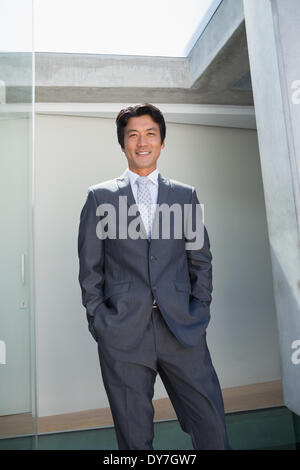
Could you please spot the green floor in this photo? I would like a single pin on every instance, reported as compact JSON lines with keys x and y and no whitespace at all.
{"x":274,"y":428}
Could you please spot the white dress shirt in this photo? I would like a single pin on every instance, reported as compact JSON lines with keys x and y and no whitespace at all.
{"x":153,"y":187}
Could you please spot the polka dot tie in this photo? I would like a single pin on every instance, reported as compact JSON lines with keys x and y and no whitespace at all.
{"x":144,"y":202}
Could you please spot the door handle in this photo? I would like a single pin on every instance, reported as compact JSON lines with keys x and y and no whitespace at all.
{"x":23,"y":268}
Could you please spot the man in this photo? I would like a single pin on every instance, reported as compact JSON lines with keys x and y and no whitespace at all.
{"x":147,"y":297}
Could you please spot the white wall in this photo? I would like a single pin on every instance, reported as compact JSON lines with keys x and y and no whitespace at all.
{"x":73,"y":153}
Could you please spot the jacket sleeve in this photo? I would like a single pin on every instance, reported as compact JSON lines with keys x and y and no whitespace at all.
{"x":91,"y":260}
{"x":200,"y":261}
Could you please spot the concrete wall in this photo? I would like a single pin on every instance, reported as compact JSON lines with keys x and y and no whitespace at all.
{"x":73,"y":153}
{"x":272,"y":30}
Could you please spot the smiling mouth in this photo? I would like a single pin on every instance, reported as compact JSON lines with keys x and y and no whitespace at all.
{"x":143,"y":153}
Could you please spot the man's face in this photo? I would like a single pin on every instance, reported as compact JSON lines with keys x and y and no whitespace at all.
{"x":142,"y":144}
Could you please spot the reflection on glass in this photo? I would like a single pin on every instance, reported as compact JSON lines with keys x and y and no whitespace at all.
{"x":17,"y":381}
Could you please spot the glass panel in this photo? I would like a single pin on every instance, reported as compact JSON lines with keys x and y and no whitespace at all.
{"x":17,"y":360}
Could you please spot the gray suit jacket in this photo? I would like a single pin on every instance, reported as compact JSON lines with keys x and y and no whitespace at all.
{"x":120,"y":278}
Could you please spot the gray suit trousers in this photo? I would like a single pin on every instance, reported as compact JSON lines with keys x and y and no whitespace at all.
{"x":188,"y":376}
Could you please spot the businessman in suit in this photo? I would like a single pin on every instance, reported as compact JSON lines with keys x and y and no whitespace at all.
{"x":147,"y":296}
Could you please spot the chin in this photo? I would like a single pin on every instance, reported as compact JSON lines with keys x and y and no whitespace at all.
{"x":144,"y":165}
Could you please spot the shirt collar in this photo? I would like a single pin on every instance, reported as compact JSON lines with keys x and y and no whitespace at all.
{"x":153,"y":176}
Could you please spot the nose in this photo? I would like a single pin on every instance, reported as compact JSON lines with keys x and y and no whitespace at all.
{"x":141,"y":139}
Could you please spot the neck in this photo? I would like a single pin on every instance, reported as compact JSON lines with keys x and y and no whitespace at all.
{"x":142,"y":171}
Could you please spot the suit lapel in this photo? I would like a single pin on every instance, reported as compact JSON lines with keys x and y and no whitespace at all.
{"x":162,"y":197}
{"x":163,"y":189}
{"x":124,"y":185}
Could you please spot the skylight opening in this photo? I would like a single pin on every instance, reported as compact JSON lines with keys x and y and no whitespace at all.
{"x":161,"y":28}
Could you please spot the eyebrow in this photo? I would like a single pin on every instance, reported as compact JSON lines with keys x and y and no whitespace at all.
{"x":135,"y":130}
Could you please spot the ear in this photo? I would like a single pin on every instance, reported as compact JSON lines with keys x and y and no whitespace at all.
{"x":163,"y":144}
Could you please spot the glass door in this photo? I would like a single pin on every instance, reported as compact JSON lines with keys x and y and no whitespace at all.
{"x":17,"y":350}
